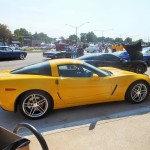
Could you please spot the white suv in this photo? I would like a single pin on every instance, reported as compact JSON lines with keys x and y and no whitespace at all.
{"x":92,"y":49}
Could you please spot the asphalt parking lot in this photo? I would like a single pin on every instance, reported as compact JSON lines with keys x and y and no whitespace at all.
{"x":69,"y":117}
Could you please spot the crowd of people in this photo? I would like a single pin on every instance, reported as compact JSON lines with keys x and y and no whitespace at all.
{"x":110,"y":48}
{"x":79,"y":51}
{"x":117,"y":47}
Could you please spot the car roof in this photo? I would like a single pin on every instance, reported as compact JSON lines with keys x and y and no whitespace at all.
{"x":3,"y":46}
{"x":53,"y":52}
{"x":65,"y":61}
{"x":95,"y":55}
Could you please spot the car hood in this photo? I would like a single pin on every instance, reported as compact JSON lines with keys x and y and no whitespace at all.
{"x":5,"y":74}
{"x":5,"y":71}
{"x":134,"y":50}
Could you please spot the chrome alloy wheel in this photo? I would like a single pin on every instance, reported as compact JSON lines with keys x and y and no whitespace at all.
{"x":35,"y":105}
{"x":21,"y":56}
{"x":139,"y":92}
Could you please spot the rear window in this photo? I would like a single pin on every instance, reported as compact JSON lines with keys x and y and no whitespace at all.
{"x":43,"y":68}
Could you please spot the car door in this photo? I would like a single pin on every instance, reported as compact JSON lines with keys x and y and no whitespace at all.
{"x":7,"y":53}
{"x":3,"y":52}
{"x":116,"y":62}
{"x":77,"y":85}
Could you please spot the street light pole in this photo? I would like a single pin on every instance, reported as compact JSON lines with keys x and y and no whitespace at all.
{"x":76,"y":29}
{"x":76,"y":36}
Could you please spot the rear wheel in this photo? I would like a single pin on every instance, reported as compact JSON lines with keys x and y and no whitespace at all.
{"x":35,"y":104}
{"x":148,"y":62}
{"x":21,"y":56}
{"x":139,"y":69}
{"x":137,"y":92}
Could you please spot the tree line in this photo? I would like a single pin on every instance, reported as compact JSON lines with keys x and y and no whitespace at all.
{"x":20,"y":34}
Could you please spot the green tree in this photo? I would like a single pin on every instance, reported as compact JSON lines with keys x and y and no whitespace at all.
{"x":128,"y":40}
{"x":91,"y":37}
{"x":83,"y":37}
{"x":109,"y":40}
{"x":42,"y":37}
{"x":72,"y":38}
{"x":101,"y":39}
{"x":21,"y":32}
{"x":5,"y":33}
{"x":118,"y":40}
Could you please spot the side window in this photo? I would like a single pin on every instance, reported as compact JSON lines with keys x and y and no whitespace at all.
{"x":66,"y":70}
{"x":102,"y":57}
{"x":3,"y":48}
{"x":43,"y":68}
{"x":8,"y":49}
{"x":71,"y":70}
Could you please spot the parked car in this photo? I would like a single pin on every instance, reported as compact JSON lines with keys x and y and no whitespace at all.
{"x":54,"y":54}
{"x":111,"y":60}
{"x":146,"y":50}
{"x":92,"y":49}
{"x":39,"y":88}
{"x":9,"y":53}
{"x":124,"y":54}
{"x":57,"y":54}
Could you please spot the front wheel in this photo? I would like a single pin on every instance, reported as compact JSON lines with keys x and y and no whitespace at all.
{"x":139,"y":69}
{"x":137,"y":92}
{"x":35,"y":104}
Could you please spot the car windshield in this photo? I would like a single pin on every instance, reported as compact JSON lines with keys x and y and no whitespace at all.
{"x":5,"y":48}
{"x":145,"y":50}
{"x":98,"y":71}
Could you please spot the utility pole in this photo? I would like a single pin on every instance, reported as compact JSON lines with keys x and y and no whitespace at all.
{"x":76,"y":30}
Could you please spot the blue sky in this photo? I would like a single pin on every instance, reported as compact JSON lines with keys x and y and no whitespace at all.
{"x":116,"y":18}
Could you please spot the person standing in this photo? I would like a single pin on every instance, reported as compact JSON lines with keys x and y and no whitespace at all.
{"x":106,"y":48}
{"x":74,"y":52}
{"x":113,"y":48}
{"x":80,"y":51}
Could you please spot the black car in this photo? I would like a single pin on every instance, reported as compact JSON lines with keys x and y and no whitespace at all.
{"x":9,"y":53}
{"x":54,"y":54}
{"x":110,"y":60}
{"x":57,"y":54}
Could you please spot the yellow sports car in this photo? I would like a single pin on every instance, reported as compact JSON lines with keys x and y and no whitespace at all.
{"x":39,"y":88}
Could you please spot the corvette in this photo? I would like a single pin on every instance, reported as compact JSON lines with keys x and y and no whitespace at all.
{"x":111,"y":60}
{"x":39,"y":88}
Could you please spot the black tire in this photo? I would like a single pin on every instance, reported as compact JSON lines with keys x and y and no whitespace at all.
{"x":35,"y":104}
{"x":148,"y":62}
{"x":137,"y":92}
{"x":21,"y":56}
{"x":139,"y":69}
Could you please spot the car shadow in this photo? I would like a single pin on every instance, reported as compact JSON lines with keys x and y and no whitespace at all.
{"x":3,"y":60}
{"x":76,"y":116}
